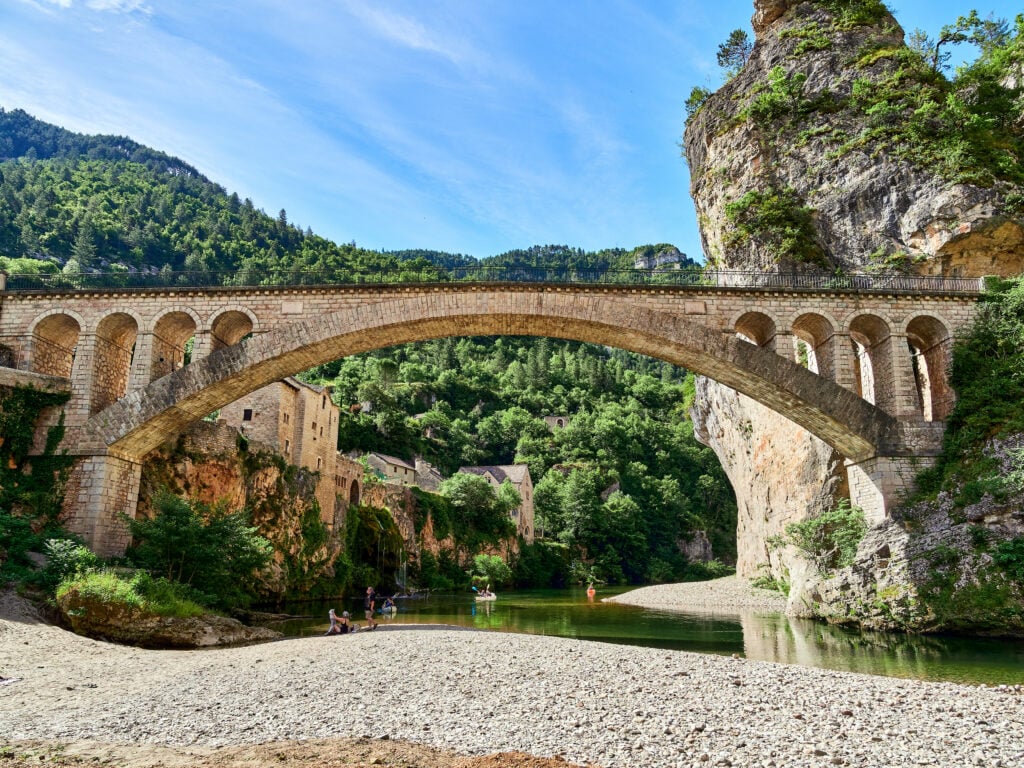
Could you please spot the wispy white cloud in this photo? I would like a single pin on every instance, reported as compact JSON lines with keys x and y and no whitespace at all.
{"x":114,"y":6}
{"x":408,"y":32}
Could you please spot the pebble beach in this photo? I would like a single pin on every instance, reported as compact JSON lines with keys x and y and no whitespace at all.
{"x":480,"y":692}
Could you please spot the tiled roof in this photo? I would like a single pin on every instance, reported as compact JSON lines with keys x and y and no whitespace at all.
{"x":394,"y":460}
{"x":516,"y":473}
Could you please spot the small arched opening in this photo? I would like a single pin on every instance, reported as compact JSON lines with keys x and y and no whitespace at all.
{"x":873,"y":370}
{"x":54,"y":341}
{"x":813,"y":344}
{"x":756,"y":328}
{"x":229,"y":328}
{"x":112,"y":359}
{"x":173,"y":337}
{"x":928,"y":341}
{"x":353,"y":493}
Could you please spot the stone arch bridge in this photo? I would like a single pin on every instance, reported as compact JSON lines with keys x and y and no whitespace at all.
{"x":861,"y":364}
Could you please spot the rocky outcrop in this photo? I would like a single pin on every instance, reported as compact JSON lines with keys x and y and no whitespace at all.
{"x":208,"y":463}
{"x":779,"y":471}
{"x":790,"y":122}
{"x":767,"y":12}
{"x":127,"y":624}
{"x":930,"y":569}
{"x":787,"y":142}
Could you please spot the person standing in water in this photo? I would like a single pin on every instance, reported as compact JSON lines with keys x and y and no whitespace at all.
{"x":368,"y":605}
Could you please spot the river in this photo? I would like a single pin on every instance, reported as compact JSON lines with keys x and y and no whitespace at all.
{"x":778,"y":638}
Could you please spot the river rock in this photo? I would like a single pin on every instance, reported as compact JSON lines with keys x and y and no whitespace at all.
{"x":133,"y":626}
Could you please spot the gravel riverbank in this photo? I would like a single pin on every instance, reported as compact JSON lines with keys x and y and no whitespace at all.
{"x":477,"y":692}
{"x":729,"y":594}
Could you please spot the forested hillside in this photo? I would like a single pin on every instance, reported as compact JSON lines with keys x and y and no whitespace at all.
{"x":482,"y":401}
{"x":83,"y":203}
{"x":621,"y":486}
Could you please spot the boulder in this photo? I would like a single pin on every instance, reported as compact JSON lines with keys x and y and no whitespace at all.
{"x":122,"y":623}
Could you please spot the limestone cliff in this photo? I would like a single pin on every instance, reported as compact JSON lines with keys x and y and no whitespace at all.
{"x":799,"y":158}
{"x":206,"y":463}
{"x":798,"y":163}
{"x":781,"y":473}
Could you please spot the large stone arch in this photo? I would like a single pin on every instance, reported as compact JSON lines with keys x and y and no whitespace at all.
{"x":147,"y":417}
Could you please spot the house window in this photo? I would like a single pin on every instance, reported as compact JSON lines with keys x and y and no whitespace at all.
{"x":247,"y":414}
{"x":323,"y":402}
{"x":287,"y":418}
{"x":287,"y":446}
{"x":319,"y":462}
{"x":321,"y":431}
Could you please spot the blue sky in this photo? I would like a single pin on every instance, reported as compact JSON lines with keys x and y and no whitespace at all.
{"x":470,"y":126}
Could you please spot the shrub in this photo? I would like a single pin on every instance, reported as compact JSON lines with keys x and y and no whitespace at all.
{"x":65,"y":559}
{"x":1009,"y":556}
{"x":829,"y":540}
{"x":856,"y":13}
{"x":696,"y":100}
{"x":137,"y":590}
{"x":490,"y":569}
{"x":701,"y":571}
{"x":542,"y":564}
{"x":777,"y":220}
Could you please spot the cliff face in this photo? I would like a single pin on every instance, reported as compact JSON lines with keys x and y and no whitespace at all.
{"x":780,"y":472}
{"x":796,"y":165}
{"x":205,"y":463}
{"x":804,"y":144}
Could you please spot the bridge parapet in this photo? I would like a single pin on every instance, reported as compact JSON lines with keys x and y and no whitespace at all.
{"x":696,"y":278}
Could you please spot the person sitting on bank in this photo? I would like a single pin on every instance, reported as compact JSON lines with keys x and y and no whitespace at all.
{"x":346,"y":623}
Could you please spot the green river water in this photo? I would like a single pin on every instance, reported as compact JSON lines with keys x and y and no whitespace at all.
{"x":568,"y":613}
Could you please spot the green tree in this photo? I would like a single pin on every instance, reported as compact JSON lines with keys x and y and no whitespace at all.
{"x":734,"y":53}
{"x":490,"y":570}
{"x":480,"y":516}
{"x":696,"y":100}
{"x":209,"y":548}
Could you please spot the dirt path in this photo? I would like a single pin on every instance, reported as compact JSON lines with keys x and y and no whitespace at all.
{"x":331,"y":753}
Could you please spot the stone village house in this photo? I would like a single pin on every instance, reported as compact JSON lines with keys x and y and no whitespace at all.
{"x":299,"y":421}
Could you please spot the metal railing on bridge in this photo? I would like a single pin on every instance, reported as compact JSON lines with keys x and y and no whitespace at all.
{"x":692,"y":278}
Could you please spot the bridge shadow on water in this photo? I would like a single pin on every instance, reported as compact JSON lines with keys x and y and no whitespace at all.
{"x":774,"y":638}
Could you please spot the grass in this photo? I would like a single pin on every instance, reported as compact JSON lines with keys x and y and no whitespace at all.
{"x":136,"y":590}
